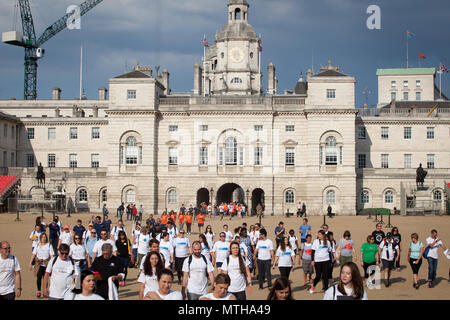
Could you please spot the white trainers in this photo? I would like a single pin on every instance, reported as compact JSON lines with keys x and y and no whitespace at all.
{"x":311,"y":290}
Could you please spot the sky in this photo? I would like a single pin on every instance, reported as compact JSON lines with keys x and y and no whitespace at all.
{"x":296,"y":35}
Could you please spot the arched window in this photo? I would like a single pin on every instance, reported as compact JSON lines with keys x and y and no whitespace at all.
{"x":82,"y":195}
{"x":104,"y":195}
{"x":131,"y":151}
{"x":230,"y":151}
{"x":172,"y":196}
{"x":236,"y":80}
{"x":365,"y":198}
{"x":331,"y":197}
{"x":437,"y":196}
{"x":289,"y":196}
{"x":237,"y":14}
{"x":130,"y":196}
{"x":389,"y":197}
{"x":331,"y":151}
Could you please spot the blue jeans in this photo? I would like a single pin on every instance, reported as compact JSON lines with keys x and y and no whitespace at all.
{"x":135,"y":254}
{"x":432,"y":268}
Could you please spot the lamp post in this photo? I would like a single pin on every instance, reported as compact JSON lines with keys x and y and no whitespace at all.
{"x":247,"y":192}
{"x":211,"y":195}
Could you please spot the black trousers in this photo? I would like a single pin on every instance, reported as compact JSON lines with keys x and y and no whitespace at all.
{"x":240,"y":295}
{"x":285,"y":272}
{"x":9,"y":296}
{"x":263,"y":270}
{"x":322,"y":273}
{"x":39,"y":276}
{"x":54,"y":244}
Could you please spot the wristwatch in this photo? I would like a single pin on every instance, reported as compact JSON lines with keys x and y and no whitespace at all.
{"x":19,"y":289}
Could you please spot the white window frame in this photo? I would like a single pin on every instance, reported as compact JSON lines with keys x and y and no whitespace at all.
{"x":407,"y":161}
{"x":51,"y":160}
{"x":289,"y":197}
{"x":331,"y":151}
{"x":230,"y":151}
{"x":418,"y":96}
{"x":131,"y":94}
{"x":131,"y":151}
{"x":384,"y":133}
{"x":95,"y":160}
{"x":173,"y":128}
{"x":362,"y":134}
{"x":73,"y":133}
{"x":172,"y":196}
{"x":407,"y":133}
{"x":95,"y":133}
{"x":30,"y":133}
{"x":203,"y":156}
{"x":290,"y":128}
{"x":30,"y":160}
{"x":173,"y":156}
{"x":331,"y":93}
{"x":385,"y":161}
{"x":365,"y":197}
{"x":393,"y":84}
{"x":388,"y":196}
{"x":52,"y":133}
{"x":405,"y":96}
{"x":73,"y":162}
{"x":430,"y":133}
{"x":82,"y":195}
{"x":258,"y":156}
{"x":331,"y":197}
{"x":290,"y":156}
{"x":362,"y":157}
{"x":431,"y":161}
{"x":259,"y":127}
{"x":130,"y":196}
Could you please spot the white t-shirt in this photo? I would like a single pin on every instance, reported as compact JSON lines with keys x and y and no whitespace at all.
{"x":209,"y":238}
{"x":228,"y":235}
{"x":197,"y":281}
{"x":433,"y":252}
{"x":151,"y":282}
{"x":329,"y":293}
{"x":172,"y":233}
{"x":43,"y":252}
{"x":322,"y":251}
{"x":264,"y":247}
{"x":71,"y":296}
{"x":78,"y":252}
{"x":222,"y":250}
{"x":254,"y":236}
{"x":210,"y":296}
{"x":86,"y":234}
{"x":35,"y":237}
{"x":66,"y":238}
{"x":173,"y":295}
{"x":293,"y":242}
{"x":99,"y":244}
{"x":8,"y":267}
{"x":61,"y":277}
{"x":115,"y":232}
{"x":238,"y":279}
{"x":206,"y":252}
{"x":166,"y":249}
{"x":244,"y":250}
{"x":182,"y":247}
{"x":143,"y":243}
{"x":136,"y":234}
{"x":285,"y":258}
{"x":388,"y":248}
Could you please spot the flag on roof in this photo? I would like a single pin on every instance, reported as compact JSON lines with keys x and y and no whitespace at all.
{"x":421,"y":55}
{"x":205,"y":43}
{"x":410,"y":34}
{"x":259,"y":45}
{"x":431,"y":111}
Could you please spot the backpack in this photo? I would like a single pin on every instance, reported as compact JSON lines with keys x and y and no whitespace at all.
{"x":73,"y":263}
{"x":426,"y":252}
{"x":204,"y":259}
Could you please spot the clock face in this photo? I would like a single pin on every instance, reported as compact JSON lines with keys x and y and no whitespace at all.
{"x":236,"y":54}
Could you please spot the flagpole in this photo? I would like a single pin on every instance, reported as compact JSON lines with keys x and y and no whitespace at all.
{"x":260,"y":54}
{"x":204,"y":69}
{"x":81,"y":71}
{"x":440,"y":81}
{"x":407,"y":49}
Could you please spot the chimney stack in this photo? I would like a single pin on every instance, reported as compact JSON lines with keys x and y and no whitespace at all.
{"x":164,"y":79}
{"x":95,"y":111}
{"x":56,"y":93}
{"x":198,"y":88}
{"x":102,"y":92}
{"x":271,"y":79}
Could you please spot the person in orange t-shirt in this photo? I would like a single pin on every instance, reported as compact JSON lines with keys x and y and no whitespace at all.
{"x":180,"y":221}
{"x":188,"y":218}
{"x":173,"y":216}
{"x":164,"y":218}
{"x":225,"y":209}
{"x":201,"y":221}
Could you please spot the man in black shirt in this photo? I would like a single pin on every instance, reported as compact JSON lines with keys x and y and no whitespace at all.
{"x":378,"y":234}
{"x":108,"y":266}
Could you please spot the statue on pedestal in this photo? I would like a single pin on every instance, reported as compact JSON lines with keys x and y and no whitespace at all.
{"x":420,"y":176}
{"x":40,"y":176}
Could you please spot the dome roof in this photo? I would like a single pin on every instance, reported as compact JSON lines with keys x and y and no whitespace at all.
{"x":241,"y":30}
{"x":301,"y":88}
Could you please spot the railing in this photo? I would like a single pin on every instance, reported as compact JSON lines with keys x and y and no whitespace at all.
{"x":174,"y":101}
{"x":288,"y":100}
{"x":3,"y":171}
{"x":402,"y":112}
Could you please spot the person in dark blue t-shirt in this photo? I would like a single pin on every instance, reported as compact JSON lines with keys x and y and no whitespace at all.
{"x":107,"y":223}
{"x":79,"y":229}
{"x":55,"y":231}
{"x":98,"y":226}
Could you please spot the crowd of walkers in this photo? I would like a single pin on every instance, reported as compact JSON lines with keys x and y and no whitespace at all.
{"x":91,"y":263}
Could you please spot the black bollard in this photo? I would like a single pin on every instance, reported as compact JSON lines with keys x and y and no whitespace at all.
{"x":370,"y":214}
{"x":324,"y":219}
{"x":389,"y":222}
{"x":382,"y":222}
{"x":17,"y":215}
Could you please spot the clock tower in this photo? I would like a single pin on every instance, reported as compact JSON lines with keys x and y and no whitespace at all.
{"x":232,"y":63}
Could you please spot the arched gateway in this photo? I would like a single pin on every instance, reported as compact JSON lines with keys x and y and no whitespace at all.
{"x":230,"y":192}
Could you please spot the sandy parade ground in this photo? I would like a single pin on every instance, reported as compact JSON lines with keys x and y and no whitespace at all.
{"x":17,"y":234}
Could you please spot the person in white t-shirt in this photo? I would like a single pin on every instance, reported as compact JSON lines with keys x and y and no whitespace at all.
{"x":433,"y":242}
{"x":153,"y":264}
{"x":196,"y":270}
{"x":34,"y":236}
{"x":220,"y":251}
{"x":264,"y":253}
{"x":293,"y":240}
{"x":143,"y":245}
{"x":10,"y":278}
{"x":220,"y":292}
{"x":209,"y":234}
{"x":206,"y":251}
{"x":65,"y":236}
{"x":350,"y":287}
{"x":62,"y":271}
{"x":321,"y":251}
{"x":79,"y":253}
{"x":182,"y":250}
{"x":228,"y":233}
{"x":254,"y":234}
{"x":237,"y":267}
{"x":97,"y":250}
{"x":41,"y":255}
{"x":166,"y":249}
{"x":87,"y":290}
{"x":388,"y":254}
{"x":284,"y":258}
{"x":135,"y":235}
{"x":165,"y":278}
{"x":242,"y":246}
{"x":115,"y":231}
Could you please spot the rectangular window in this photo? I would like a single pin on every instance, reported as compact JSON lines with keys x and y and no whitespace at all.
{"x":95,"y":134}
{"x":405,"y":96}
{"x":73,"y":133}
{"x":384,"y":133}
{"x":418,"y":96}
{"x":241,"y":156}
{"x":407,"y":161}
{"x":203,"y":156}
{"x":204,"y":127}
{"x":30,"y":160}
{"x":290,"y":128}
{"x":290,"y":156}
{"x":5,"y":131}
{"x":73,"y":161}
{"x":258,"y":128}
{"x":220,"y":156}
{"x":361,"y":132}
{"x":173,"y":128}
{"x":13,"y":164}
{"x":393,"y":95}
{"x":51,"y":133}
{"x":51,"y":160}
{"x":5,"y":159}
{"x":405,"y":84}
{"x":13,"y":129}
{"x":340,"y":155}
{"x":418,"y":83}
{"x":258,"y":156}
{"x":320,"y":155}
{"x":430,"y":161}
{"x":131,"y":94}
{"x":385,"y":161}
{"x":30,"y":133}
{"x":430,"y":132}
{"x":173,"y":156}
{"x":407,"y":133}
{"x":95,"y":160}
{"x":331,"y":93}
{"x":361,"y":160}
{"x":393,"y":84}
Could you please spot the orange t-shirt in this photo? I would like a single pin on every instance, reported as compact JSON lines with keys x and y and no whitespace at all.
{"x":188,"y":218}
{"x":174,"y":217}
{"x":164,"y":219}
{"x":201,"y":218}
{"x":225,"y":207}
{"x":180,"y":218}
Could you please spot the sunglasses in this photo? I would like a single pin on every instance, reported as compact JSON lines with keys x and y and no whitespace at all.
{"x":64,"y":253}
{"x":77,"y":238}
{"x":9,"y":248}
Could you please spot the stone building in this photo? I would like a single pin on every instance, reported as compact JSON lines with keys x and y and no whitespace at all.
{"x":231,"y":140}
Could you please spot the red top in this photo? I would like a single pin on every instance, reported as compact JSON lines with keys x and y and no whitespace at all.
{"x":6,"y":182}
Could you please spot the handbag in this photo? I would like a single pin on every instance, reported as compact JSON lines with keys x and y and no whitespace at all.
{"x":425,"y":253}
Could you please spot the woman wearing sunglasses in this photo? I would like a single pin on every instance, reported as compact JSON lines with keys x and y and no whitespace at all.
{"x":41,"y":255}
{"x":79,"y":253}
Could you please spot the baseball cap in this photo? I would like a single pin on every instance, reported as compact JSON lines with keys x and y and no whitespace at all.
{"x":66,"y":226}
{"x":389,"y":235}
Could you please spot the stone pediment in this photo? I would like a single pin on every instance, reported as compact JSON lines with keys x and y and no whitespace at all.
{"x":290,"y":143}
{"x":258,"y":141}
{"x":172,"y":143}
{"x":204,"y":142}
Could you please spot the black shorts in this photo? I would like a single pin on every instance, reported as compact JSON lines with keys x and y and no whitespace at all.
{"x":387,"y":264}
{"x":201,"y":224}
{"x":179,"y":263}
{"x":415,"y":267}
